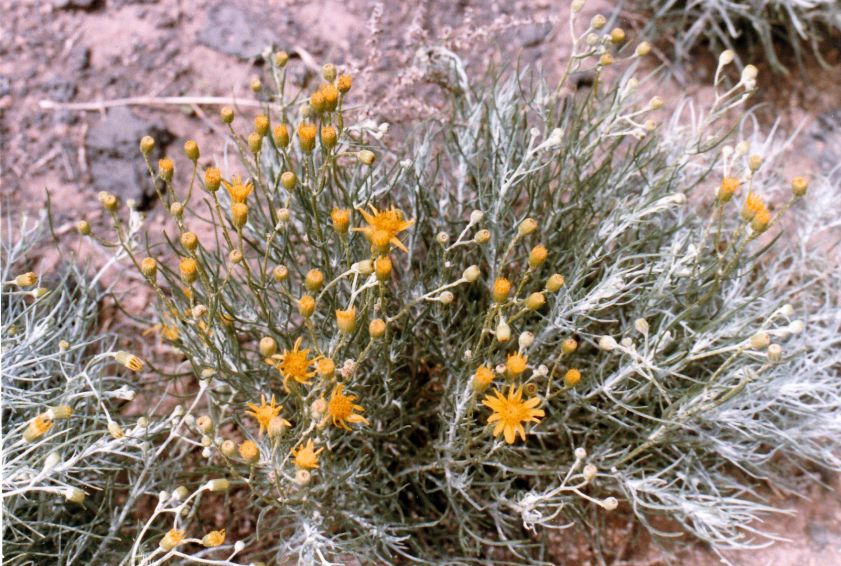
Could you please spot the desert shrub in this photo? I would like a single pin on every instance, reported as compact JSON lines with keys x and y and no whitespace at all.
{"x":773,"y":30}
{"x":546,"y":306}
{"x":73,"y":466}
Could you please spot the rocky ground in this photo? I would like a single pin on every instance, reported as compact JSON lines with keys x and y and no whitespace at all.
{"x":57,"y":53}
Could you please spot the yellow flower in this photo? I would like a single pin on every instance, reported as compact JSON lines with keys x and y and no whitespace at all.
{"x":729,"y":185}
{"x":293,"y":364}
{"x":510,"y":413}
{"x":388,"y":221}
{"x":340,"y":409}
{"x":238,"y":190}
{"x":753,"y":204}
{"x":37,"y":427}
{"x":501,"y":288}
{"x":306,"y":457}
{"x":263,"y":413}
{"x":341,"y":220}
{"x":172,"y":539}
{"x":249,"y":451}
{"x":516,"y":364}
{"x":213,"y":538}
{"x":483,"y":377}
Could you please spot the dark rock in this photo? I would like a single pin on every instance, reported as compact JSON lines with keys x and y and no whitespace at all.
{"x":114,"y":156}
{"x":532,"y":35}
{"x":234,"y":30}
{"x":79,"y":58}
{"x":76,"y":4}
{"x":59,"y":89}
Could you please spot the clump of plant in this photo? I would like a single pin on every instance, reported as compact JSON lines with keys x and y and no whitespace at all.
{"x":69,"y":456}
{"x":754,"y":28}
{"x":545,"y":308}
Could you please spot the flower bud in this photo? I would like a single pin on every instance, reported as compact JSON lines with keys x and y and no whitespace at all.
{"x":314,"y":280}
{"x":328,"y":137}
{"x":482,"y":237}
{"x":569,"y":346}
{"x":306,"y":136}
{"x":760,"y":341}
{"x":446,"y":297}
{"x":261,"y":125}
{"x":535,"y":301}
{"x":344,"y":83}
{"x":129,"y":360}
{"x":366,"y":157}
{"x":191,"y":149}
{"x":248,"y":451}
{"x":376,"y":328}
{"x":643,"y":49}
{"x":115,"y":430}
{"x":280,"y":133}
{"x":306,"y":306}
{"x":525,"y":340}
{"x":610,"y":504}
{"x":482,"y":378}
{"x":108,"y":201}
{"x":281,"y":58}
{"x":726,"y":58}
{"x":606,"y":60}
{"x":147,"y":144}
{"x":554,"y":283}
{"x":204,"y":423}
{"x":267,"y":346}
{"x":277,"y":426}
{"x":213,"y":539}
{"x":176,"y":209}
{"x":227,"y":114}
{"x":189,"y":240}
{"x":472,"y":273}
{"x":288,"y":180}
{"x":346,"y":320}
{"x":341,"y":220}
{"x":239,"y":214}
{"x":228,"y":448}
{"x":187,"y":268}
{"x":382,"y":267}
{"x":537,"y":256}
{"x":598,"y":21}
{"x":83,"y":227}
{"x":74,"y":495}
{"x":656,"y":103}
{"x":528,"y":226}
{"x":503,"y":331}
{"x":799,"y":186}
{"x":302,"y":477}
{"x":572,"y":377}
{"x":26,"y":279}
{"x":617,"y":36}
{"x":255,"y":142}
{"x":501,"y":289}
{"x":607,"y":343}
{"x":775,"y":353}
{"x":280,"y":273}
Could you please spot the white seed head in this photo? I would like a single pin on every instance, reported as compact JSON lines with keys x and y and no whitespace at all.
{"x":610,"y":503}
{"x":525,"y":340}
{"x":503,"y":331}
{"x":590,"y":471}
{"x":607,"y":343}
{"x":760,"y":341}
{"x":775,"y":353}
{"x":476,"y":216}
{"x":580,"y":453}
{"x":726,"y":58}
{"x":51,"y":460}
{"x":787,"y":310}
{"x":796,"y":326}
{"x":239,"y":546}
{"x":642,"y":326}
{"x":472,"y":273}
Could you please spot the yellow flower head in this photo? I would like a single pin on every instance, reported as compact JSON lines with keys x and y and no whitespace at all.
{"x":340,"y":409}
{"x":306,"y":457}
{"x":729,"y":185}
{"x":510,"y":413}
{"x":516,"y":364}
{"x":172,"y":539}
{"x":213,"y":538}
{"x":483,"y":377}
{"x":389,"y":221}
{"x":753,"y":204}
{"x":238,"y":190}
{"x":249,"y":451}
{"x":37,"y":427}
{"x":264,"y":413}
{"x":293,"y":364}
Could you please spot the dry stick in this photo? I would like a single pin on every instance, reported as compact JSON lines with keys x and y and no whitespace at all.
{"x":150,"y":101}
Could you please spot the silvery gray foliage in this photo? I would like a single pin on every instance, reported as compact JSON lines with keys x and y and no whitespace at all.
{"x":66,"y":496}
{"x":766,"y":28}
